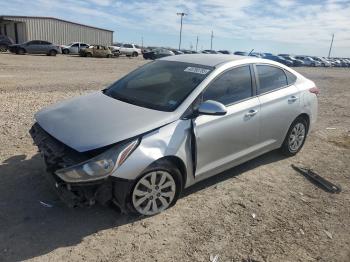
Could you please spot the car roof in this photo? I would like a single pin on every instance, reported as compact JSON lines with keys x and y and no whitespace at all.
{"x":207,"y":59}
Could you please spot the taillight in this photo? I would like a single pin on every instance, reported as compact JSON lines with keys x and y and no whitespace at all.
{"x":315,"y":90}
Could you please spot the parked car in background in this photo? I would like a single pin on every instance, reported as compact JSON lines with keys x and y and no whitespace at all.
{"x":266,"y":54}
{"x":189,"y":51}
{"x":96,"y":51}
{"x":157,"y":53}
{"x":209,"y":52}
{"x":225,"y":52}
{"x":344,"y":62}
{"x":322,"y":61}
{"x":296,"y":62}
{"x":130,"y":50}
{"x":5,"y":42}
{"x":308,"y":61}
{"x":177,"y":52}
{"x":115,"y":50}
{"x":35,"y":47}
{"x":279,"y":59}
{"x":255,"y":54}
{"x":240,"y":53}
{"x":170,"y":124}
{"x":73,"y":48}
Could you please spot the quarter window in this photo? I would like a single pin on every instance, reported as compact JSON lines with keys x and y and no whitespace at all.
{"x":230,"y":87}
{"x":270,"y":78}
{"x":291,"y":78}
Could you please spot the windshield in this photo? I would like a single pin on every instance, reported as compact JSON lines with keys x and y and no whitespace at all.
{"x":159,"y":85}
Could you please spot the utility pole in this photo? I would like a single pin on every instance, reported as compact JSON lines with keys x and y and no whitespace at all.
{"x":197,"y":44}
{"x":182,"y":15}
{"x":142,"y":42}
{"x":211,"y":40}
{"x":330,"y":48}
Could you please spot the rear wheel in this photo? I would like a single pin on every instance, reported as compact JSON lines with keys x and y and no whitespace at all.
{"x":295,"y":138}
{"x":157,"y":189}
{"x":65,"y":51}
{"x":21,"y":51}
{"x":88,"y":55}
{"x":52,"y":53}
{"x":135,"y":54}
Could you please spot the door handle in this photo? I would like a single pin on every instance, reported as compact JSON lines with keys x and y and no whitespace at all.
{"x":251,"y":112}
{"x":292,"y":99}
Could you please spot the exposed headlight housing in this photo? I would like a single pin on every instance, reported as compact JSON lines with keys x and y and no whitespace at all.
{"x":100,"y":166}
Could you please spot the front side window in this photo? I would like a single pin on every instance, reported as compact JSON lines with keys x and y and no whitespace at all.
{"x":160,"y":85}
{"x":270,"y":78}
{"x":231,"y":87}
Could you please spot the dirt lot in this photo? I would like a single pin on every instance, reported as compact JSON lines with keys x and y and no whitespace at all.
{"x":294,"y":220}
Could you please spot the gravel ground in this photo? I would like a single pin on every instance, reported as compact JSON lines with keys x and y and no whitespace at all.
{"x":261,"y":210}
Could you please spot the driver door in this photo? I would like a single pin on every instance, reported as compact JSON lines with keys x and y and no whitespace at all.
{"x":224,"y":141}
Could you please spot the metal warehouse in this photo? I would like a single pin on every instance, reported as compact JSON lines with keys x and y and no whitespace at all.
{"x":58,"y":31}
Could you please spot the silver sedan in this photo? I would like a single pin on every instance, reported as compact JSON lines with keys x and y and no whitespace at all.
{"x":169,"y":124}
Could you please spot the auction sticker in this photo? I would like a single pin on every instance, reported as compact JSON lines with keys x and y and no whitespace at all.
{"x":197,"y":70}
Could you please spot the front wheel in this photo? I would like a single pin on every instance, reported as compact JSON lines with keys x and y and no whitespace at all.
{"x":158,"y":189}
{"x":295,"y":138}
{"x":135,"y":54}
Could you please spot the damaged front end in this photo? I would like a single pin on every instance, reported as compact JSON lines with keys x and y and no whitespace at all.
{"x":81,"y":178}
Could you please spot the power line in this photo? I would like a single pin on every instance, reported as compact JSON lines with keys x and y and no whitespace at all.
{"x":182,"y":15}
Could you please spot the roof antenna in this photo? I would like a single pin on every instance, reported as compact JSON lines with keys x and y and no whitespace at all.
{"x":251,"y":52}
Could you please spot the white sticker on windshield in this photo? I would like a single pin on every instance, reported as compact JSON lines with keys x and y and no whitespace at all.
{"x":197,"y":70}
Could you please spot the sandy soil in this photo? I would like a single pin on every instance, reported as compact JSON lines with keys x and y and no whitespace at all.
{"x":294,"y":219}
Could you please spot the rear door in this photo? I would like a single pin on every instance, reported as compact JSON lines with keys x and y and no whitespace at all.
{"x":280,"y":103}
{"x":223,"y":141}
{"x":45,"y":47}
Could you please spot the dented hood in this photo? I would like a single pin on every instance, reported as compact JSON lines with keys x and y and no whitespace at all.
{"x":95,"y":120}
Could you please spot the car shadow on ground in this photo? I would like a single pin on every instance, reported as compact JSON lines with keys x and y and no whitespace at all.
{"x":29,"y":228}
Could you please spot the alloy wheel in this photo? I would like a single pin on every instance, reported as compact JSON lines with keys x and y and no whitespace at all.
{"x":154,"y":192}
{"x":296,"y":137}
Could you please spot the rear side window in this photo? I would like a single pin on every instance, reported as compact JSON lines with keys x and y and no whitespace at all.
{"x":270,"y":78}
{"x":291,"y":78}
{"x":232,"y":86}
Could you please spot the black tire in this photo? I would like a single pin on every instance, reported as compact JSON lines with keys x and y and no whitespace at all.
{"x":52,"y":53}
{"x":162,"y":165}
{"x":286,"y":148}
{"x":135,"y":54}
{"x":65,"y":51}
{"x":88,"y":55}
{"x":21,"y":51}
{"x":109,"y":56}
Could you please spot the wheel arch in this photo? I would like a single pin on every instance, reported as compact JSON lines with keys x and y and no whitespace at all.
{"x":306,"y":117}
{"x":178,"y":163}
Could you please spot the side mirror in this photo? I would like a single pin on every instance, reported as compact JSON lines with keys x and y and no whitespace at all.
{"x":212,"y":108}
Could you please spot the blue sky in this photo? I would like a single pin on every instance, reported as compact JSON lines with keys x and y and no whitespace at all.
{"x":278,"y":26}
